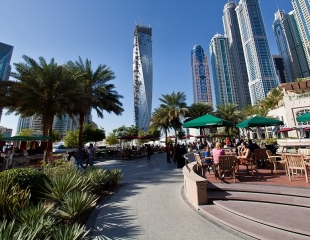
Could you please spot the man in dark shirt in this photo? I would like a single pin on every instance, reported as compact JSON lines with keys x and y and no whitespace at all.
{"x":252,"y":146}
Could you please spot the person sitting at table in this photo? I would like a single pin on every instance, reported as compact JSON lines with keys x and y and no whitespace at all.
{"x":244,"y":153}
{"x":207,"y":155}
{"x":216,"y":153}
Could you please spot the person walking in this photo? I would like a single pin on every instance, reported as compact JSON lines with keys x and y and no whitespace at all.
{"x":168,"y":153}
{"x":149,"y":153}
{"x":91,"y":156}
{"x":80,"y":156}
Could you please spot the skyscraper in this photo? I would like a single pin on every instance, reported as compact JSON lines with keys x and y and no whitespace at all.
{"x":222,"y":70}
{"x":142,"y":76}
{"x":5,"y":59}
{"x":5,"y":67}
{"x":232,"y":32}
{"x":62,"y":125}
{"x":259,"y":62}
{"x":302,"y":15}
{"x":201,"y":76}
{"x":280,"y":68}
{"x":290,"y":46}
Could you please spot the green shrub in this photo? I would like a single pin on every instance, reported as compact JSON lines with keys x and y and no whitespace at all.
{"x":69,"y":232}
{"x":98,"y":178}
{"x":115,"y":176}
{"x":12,"y":198}
{"x":74,"y":204}
{"x":11,"y":230}
{"x":270,"y":141}
{"x":26,"y":177}
{"x":36,"y":219}
{"x":60,"y":170}
{"x":8,"y":230}
{"x":56,"y":163}
{"x":59,"y":186}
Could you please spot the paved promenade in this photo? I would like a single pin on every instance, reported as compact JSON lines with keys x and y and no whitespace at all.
{"x":150,"y":205}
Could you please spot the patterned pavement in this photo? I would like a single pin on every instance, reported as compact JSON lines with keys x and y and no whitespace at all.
{"x":150,"y":205}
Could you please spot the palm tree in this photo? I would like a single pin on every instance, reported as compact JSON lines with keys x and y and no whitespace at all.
{"x":95,"y":84}
{"x":274,"y":97}
{"x":176,"y":109}
{"x":199,"y":109}
{"x":262,"y":107}
{"x":230,"y":113}
{"x":42,"y":90}
{"x":160,"y":120}
{"x":248,"y":111}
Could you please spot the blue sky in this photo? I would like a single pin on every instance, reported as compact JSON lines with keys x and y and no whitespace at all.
{"x":102,"y":31}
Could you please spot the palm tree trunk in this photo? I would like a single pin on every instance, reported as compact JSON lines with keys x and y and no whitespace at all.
{"x":81,"y":122}
{"x":166,"y":132}
{"x":176,"y":137}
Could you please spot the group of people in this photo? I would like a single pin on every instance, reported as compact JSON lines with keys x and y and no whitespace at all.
{"x":243,"y":153}
{"x":77,"y":157}
{"x":176,"y":153}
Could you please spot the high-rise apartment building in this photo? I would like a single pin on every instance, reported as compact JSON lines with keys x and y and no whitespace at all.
{"x":290,"y":45}
{"x":62,"y":125}
{"x":142,"y":76}
{"x":280,"y":69}
{"x":302,"y":15}
{"x":232,"y":32}
{"x":259,"y":62}
{"x":6,"y":52}
{"x":200,"y":76}
{"x":222,"y":70}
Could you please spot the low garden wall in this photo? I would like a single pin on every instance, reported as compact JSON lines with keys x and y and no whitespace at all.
{"x":195,"y":186}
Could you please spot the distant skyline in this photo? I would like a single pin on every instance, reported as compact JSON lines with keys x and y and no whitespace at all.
{"x":102,"y":31}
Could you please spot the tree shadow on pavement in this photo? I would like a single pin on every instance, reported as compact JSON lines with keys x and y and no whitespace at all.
{"x":112,"y":219}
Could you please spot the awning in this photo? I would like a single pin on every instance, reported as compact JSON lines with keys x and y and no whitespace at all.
{"x":259,"y":121}
{"x":24,"y":138}
{"x":304,"y":118}
{"x":285,"y":129}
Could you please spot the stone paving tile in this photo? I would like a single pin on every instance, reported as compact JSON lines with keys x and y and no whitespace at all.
{"x":150,"y":206}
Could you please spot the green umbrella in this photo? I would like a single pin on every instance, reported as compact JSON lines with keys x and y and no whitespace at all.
{"x":304,"y":118}
{"x":205,"y":121}
{"x":259,"y":121}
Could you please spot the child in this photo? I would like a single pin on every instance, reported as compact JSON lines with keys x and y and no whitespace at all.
{"x":208,"y":158}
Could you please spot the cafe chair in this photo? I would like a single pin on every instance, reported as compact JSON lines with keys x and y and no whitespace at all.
{"x":275,"y":161}
{"x":260,"y":157}
{"x":296,"y":162}
{"x":227,"y":165}
{"x":201,"y":165}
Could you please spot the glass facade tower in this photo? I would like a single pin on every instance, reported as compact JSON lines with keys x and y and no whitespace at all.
{"x":6,"y":52}
{"x":142,"y":76}
{"x":302,"y":15}
{"x":200,"y":76}
{"x":232,"y":32}
{"x":259,"y":62}
{"x":290,"y":46}
{"x":222,"y":70}
{"x":5,"y":59}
